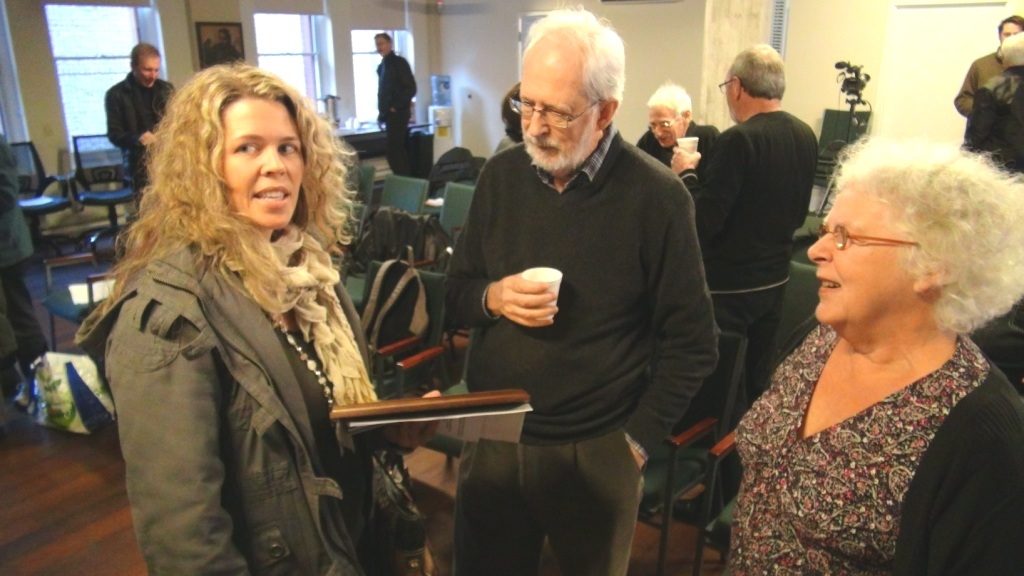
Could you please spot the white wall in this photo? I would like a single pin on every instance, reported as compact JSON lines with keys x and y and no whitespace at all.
{"x":479,"y":49}
{"x":476,"y":42}
{"x":872,"y":33}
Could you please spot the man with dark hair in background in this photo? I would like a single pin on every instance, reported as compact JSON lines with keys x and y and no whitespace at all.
{"x":134,"y":107}
{"x":985,"y":68}
{"x":395,"y":90}
{"x":752,"y":196}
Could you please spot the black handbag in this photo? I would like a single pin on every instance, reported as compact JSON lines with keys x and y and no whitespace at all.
{"x":399,"y":528}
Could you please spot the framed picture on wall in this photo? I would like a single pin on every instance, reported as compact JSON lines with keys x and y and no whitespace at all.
{"x":219,"y":42}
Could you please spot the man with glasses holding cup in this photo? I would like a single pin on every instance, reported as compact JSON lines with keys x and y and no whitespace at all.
{"x":752,"y":196}
{"x":611,"y":350}
{"x":670,"y":124}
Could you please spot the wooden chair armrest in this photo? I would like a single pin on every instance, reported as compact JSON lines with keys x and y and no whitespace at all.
{"x":421,"y":357}
{"x":70,"y":259}
{"x":396,"y":347}
{"x":98,"y":277}
{"x":724,"y":447}
{"x":693,"y":433}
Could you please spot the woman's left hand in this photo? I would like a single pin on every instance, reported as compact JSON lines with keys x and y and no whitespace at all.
{"x":409,"y":435}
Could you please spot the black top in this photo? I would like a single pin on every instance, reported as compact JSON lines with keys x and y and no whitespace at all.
{"x":707,"y":134}
{"x":354,"y":481}
{"x":634,"y":335}
{"x":754,"y":194}
{"x":996,"y":123}
{"x":396,"y":85}
{"x":132,"y":110}
{"x":963,"y":511}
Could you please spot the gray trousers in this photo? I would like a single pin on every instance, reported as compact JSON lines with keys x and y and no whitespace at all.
{"x":583,"y":496}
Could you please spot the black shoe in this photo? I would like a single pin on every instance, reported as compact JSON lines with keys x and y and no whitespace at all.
{"x":9,"y":381}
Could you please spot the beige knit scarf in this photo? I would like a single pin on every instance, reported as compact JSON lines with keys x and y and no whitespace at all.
{"x":310,"y":280}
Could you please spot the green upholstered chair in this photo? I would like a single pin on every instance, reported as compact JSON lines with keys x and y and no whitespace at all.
{"x":799,"y":302}
{"x":457,"y":198}
{"x":367,"y":177}
{"x":679,"y":465}
{"x":714,"y":526}
{"x":404,"y":193}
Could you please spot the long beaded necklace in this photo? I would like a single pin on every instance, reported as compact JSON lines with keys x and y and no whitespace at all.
{"x":311,"y":363}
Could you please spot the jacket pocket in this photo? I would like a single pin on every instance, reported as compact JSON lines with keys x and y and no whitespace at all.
{"x":153,"y":336}
{"x":271,"y":553}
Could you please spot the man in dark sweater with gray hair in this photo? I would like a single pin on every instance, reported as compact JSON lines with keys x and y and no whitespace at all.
{"x":613,"y":358}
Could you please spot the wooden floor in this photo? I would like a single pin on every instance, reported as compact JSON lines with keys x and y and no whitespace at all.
{"x":63,"y":508}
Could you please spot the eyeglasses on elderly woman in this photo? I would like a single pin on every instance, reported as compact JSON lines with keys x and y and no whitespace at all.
{"x":842,"y":238}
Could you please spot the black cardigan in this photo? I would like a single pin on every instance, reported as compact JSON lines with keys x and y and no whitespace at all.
{"x":964,"y":509}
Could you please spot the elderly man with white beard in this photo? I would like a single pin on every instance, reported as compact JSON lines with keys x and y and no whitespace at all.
{"x":611,"y":358}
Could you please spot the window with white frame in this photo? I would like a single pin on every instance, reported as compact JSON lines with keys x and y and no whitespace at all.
{"x":91,"y":52}
{"x":287,"y":45}
{"x":364,"y":67}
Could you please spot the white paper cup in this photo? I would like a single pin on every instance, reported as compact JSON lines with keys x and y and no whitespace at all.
{"x":550,"y":276}
{"x":689,"y":143}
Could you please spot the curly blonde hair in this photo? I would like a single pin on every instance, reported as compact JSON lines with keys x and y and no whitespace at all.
{"x":186,"y":203}
{"x":964,"y":213}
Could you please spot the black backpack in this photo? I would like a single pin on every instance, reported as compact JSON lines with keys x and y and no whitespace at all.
{"x":455,"y":165}
{"x":390,"y":233}
{"x":397,"y":305}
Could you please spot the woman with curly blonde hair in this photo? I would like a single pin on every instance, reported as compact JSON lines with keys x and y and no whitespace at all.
{"x":227,"y":341}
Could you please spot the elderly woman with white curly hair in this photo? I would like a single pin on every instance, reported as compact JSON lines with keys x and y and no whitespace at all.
{"x":887,"y":443}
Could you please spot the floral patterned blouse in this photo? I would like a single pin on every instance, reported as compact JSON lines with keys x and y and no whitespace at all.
{"x":830,"y":503}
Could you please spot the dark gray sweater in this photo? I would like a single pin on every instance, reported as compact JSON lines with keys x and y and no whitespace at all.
{"x":634,"y":335}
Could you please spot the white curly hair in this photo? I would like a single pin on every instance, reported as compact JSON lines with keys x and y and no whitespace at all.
{"x":965,"y":213}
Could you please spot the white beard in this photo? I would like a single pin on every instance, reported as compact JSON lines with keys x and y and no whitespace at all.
{"x":555,"y":158}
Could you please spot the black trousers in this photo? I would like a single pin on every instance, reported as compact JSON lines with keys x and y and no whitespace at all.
{"x":22,"y":316}
{"x":582,"y":496}
{"x":397,"y":130}
{"x":756,"y":315}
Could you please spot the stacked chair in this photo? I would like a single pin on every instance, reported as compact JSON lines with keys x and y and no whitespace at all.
{"x":101,"y":179}
{"x":33,"y":186}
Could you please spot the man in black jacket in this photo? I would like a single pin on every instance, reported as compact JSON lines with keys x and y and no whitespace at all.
{"x":395,"y":89}
{"x":134,"y":107}
{"x":613,"y":356}
{"x":752,"y":196}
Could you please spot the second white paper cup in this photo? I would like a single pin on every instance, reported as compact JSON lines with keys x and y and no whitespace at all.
{"x":689,"y":143}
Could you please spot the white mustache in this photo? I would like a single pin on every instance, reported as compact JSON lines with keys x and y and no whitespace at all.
{"x":542,"y":142}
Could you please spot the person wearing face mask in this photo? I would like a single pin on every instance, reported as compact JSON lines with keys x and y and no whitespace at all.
{"x":228,"y":338}
{"x":985,"y":68}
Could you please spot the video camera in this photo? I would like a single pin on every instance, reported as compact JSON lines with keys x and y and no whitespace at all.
{"x":853,"y":82}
